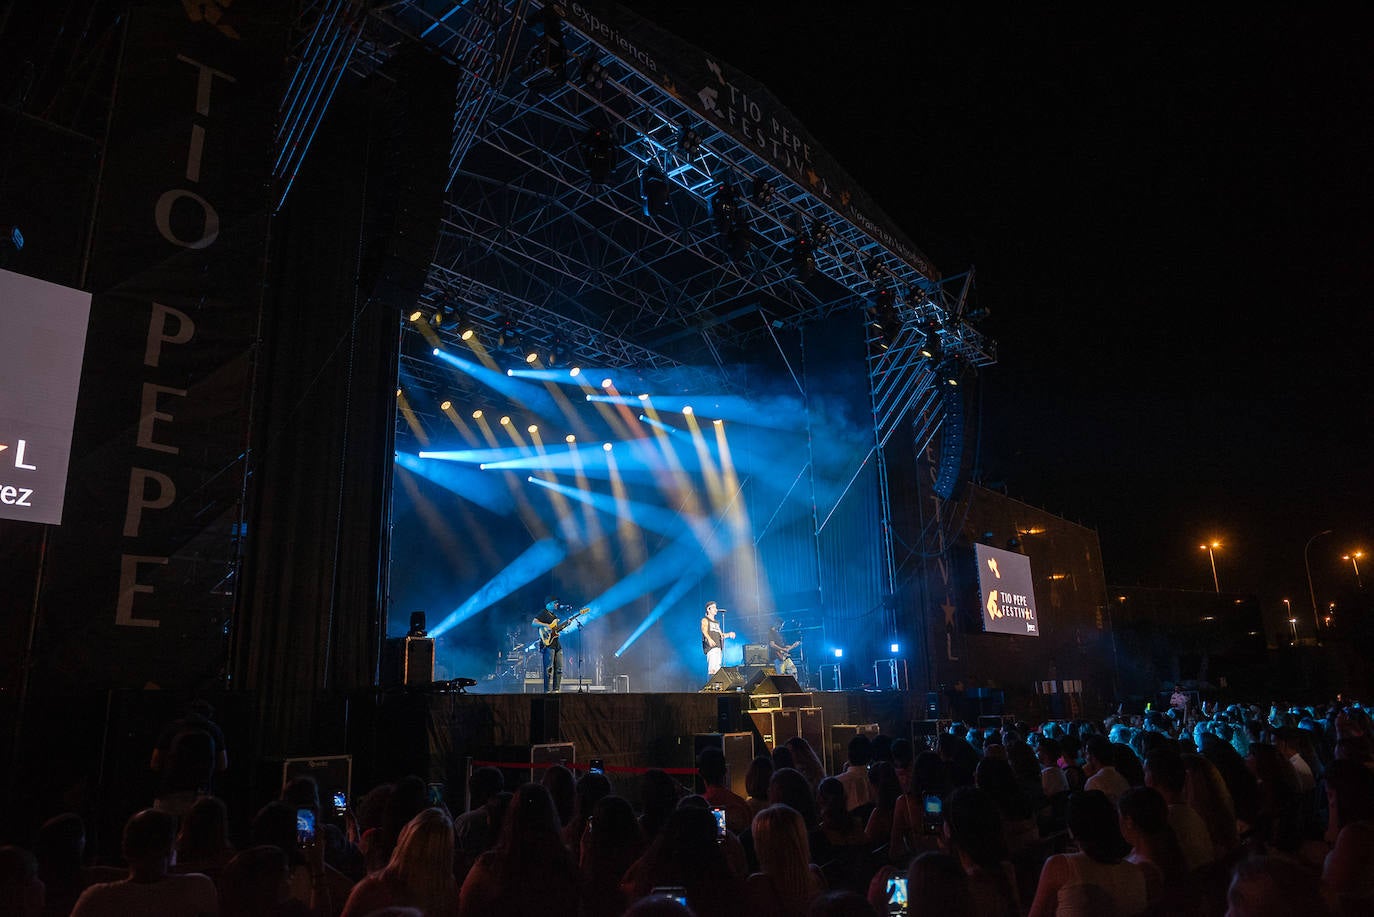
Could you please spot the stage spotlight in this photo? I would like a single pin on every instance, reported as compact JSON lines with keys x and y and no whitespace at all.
{"x":477,"y":414}
{"x":505,"y":421}
{"x":607,"y":383}
{"x":467,"y":331}
{"x":570,"y":439}
{"x":687,"y":409}
{"x":598,"y":154}
{"x":529,"y":478}
{"x":445,"y":405}
{"x":606,"y":447}
{"x":732,"y":222}
{"x":688,"y":142}
{"x":416,"y":315}
{"x":718,"y":422}
{"x":482,"y":467}
{"x":930,"y":347}
{"x":506,"y":333}
{"x":821,"y":233}
{"x":653,"y":188}
{"x":546,"y":64}
{"x":575,"y":371}
{"x":593,"y":75}
{"x":398,"y":393}
{"x":896,"y":648}
{"x":803,"y":257}
{"x":532,"y":428}
{"x":644,"y":397}
{"x":532,"y":356}
{"x":763,"y":191}
{"x":436,"y":351}
{"x":839,"y":653}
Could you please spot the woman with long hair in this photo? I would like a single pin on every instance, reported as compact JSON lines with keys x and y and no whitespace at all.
{"x":1098,"y":879}
{"x":203,"y":840}
{"x":973,"y":826}
{"x":529,"y":873}
{"x":419,"y":873}
{"x":1144,"y":819}
{"x":687,"y":854}
{"x":1205,"y":790}
{"x":805,"y":759}
{"x":912,"y":831}
{"x":756,"y":782}
{"x":786,"y":881}
{"x":611,"y":842}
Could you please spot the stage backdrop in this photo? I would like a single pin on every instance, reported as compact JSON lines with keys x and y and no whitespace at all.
{"x":139,"y":580}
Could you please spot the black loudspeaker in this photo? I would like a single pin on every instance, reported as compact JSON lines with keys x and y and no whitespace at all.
{"x":409,"y":661}
{"x":951,"y":443}
{"x":727,"y":678}
{"x":765,"y":682}
{"x":755,"y":654}
{"x":840,"y":734}
{"x":415,"y":96}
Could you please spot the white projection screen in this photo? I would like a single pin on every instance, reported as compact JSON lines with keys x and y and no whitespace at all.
{"x":42,"y":342}
{"x":1007,"y":592}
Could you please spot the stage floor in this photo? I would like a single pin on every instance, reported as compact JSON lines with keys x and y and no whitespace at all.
{"x":437,"y":734}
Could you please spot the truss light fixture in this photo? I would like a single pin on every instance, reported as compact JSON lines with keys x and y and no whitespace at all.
{"x":598,"y":154}
{"x":416,"y":315}
{"x":803,"y":257}
{"x":593,"y":74}
{"x":477,"y":414}
{"x":606,"y":447}
{"x":688,"y":141}
{"x":547,"y":63}
{"x":931,"y":348}
{"x":575,"y":371}
{"x":570,"y":439}
{"x":505,"y":421}
{"x":644,"y":396}
{"x":507,"y":333}
{"x":821,"y":233}
{"x":732,"y":222}
{"x":466,"y":330}
{"x":532,"y":429}
{"x":531,"y":357}
{"x":558,"y":352}
{"x":687,"y":409}
{"x":653,"y":188}
{"x":445,"y":405}
{"x":442,"y":315}
{"x":763,"y":191}
{"x":607,"y":383}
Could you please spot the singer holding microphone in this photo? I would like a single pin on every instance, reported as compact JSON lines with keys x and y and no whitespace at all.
{"x":713,"y":638}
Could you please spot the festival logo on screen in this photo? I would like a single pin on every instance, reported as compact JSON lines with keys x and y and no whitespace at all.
{"x":1004,"y":578}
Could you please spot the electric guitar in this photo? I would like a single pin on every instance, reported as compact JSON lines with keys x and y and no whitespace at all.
{"x":786,"y":651}
{"x":548,"y":632}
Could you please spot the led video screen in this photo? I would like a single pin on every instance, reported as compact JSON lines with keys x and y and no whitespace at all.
{"x":42,"y":342}
{"x":1007,"y":592}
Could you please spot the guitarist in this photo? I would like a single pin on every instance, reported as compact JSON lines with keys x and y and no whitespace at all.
{"x":781,"y":650}
{"x":550,"y":648}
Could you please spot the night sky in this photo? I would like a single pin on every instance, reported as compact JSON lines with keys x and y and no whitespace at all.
{"x":1169,"y":213}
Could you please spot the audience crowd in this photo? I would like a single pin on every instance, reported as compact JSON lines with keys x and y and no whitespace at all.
{"x":1238,"y":810}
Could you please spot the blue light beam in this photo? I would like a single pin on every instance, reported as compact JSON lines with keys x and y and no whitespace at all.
{"x":538,"y":559}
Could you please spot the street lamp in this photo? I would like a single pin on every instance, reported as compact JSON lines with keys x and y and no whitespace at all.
{"x":1308,"y":564}
{"x":1293,"y":623}
{"x":1209,"y":548}
{"x":1354,"y":558}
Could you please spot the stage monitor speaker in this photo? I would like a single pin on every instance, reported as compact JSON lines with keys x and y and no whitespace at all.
{"x":738,"y":748}
{"x":727,"y":678}
{"x":409,"y":661}
{"x":766,"y":682}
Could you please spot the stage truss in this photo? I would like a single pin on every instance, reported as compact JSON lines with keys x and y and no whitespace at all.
{"x":530,"y":240}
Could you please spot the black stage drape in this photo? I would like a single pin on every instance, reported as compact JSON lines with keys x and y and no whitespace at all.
{"x":311,"y":614}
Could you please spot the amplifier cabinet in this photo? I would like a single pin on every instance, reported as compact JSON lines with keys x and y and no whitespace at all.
{"x":777,"y":725}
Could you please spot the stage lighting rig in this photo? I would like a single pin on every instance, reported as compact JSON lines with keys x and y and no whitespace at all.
{"x":688,"y":142}
{"x":593,"y":74}
{"x":732,"y":222}
{"x":506,"y":332}
{"x":763,"y":191}
{"x":821,"y":233}
{"x":931,"y":347}
{"x":598,"y":154}
{"x":547,"y":63}
{"x":653,"y":188}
